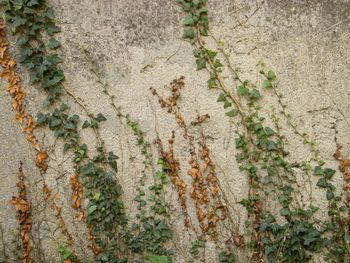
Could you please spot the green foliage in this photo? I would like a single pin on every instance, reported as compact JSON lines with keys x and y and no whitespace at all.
{"x":105,"y":210}
{"x":157,"y":259}
{"x":195,"y":248}
{"x":66,"y":254}
{"x":151,"y":232}
{"x":227,"y":257}
{"x":262,"y":156}
{"x":29,"y":19}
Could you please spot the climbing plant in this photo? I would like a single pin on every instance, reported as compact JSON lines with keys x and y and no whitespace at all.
{"x":261,"y":154}
{"x":31,"y":20}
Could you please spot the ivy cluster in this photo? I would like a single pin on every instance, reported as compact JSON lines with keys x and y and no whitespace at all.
{"x":31,"y":19}
{"x":147,"y":237}
{"x":262,"y":156}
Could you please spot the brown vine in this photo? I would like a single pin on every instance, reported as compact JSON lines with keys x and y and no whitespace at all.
{"x":344,"y":167}
{"x":202,"y":169}
{"x":23,"y":207}
{"x":24,"y":118}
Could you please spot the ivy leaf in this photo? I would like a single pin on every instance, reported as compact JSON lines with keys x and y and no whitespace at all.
{"x":17,"y":4}
{"x":285,"y":212}
{"x":211,"y":83}
{"x":266,"y":84}
{"x":70,"y":126}
{"x":86,"y":124}
{"x":51,"y":29}
{"x":271,"y":75}
{"x":54,"y":122}
{"x":188,"y":33}
{"x":48,"y":13}
{"x":254,"y":94}
{"x":329,"y":195}
{"x":328,"y":173}
{"x":211,"y":54}
{"x":269,"y":131}
{"x":92,"y":209}
{"x":271,"y":146}
{"x":41,"y":118}
{"x":231,"y":113}
{"x":22,"y":40}
{"x":242,"y":90}
{"x":54,"y":43}
{"x":217,"y":63}
{"x":322,"y":183}
{"x":227,"y":104}
{"x":222,"y":97}
{"x":318,"y":170}
{"x":53,"y":59}
{"x":100,"y":117}
{"x":33,"y":2}
{"x":200,"y":63}
{"x":18,"y":21}
{"x":189,"y":20}
{"x":157,"y":259}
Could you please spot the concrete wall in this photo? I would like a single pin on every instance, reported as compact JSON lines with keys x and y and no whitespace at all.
{"x":137,"y":45}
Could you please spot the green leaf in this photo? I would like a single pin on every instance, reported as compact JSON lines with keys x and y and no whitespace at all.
{"x":189,"y":20}
{"x":17,"y":4}
{"x":217,"y":63}
{"x":284,"y":212}
{"x":328,"y":173}
{"x":271,"y":75}
{"x":100,"y":117}
{"x":266,"y":84}
{"x":18,"y":21}
{"x":33,"y":2}
{"x":97,"y":196}
{"x":318,"y":170}
{"x":53,"y":59}
{"x":41,"y":118}
{"x":227,"y":104}
{"x":48,"y":13}
{"x":70,"y":126}
{"x":188,"y":33}
{"x":51,"y":29}
{"x":269,"y":131}
{"x":222,"y":97}
{"x":92,"y":209}
{"x":242,"y":90}
{"x":54,"y":122}
{"x":322,"y":183}
{"x":329,"y":195}
{"x":254,"y":94}
{"x":201,"y":11}
{"x":271,"y":146}
{"x":211,"y":54}
{"x":231,"y":113}
{"x":211,"y":83}
{"x":54,"y":43}
{"x":200,"y":63}
{"x":22,"y":40}
{"x":86,"y":124}
{"x":157,"y":259}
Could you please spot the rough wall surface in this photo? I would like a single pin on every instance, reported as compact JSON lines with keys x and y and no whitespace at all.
{"x":137,"y":45}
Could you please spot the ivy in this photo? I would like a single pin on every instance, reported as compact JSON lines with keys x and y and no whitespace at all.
{"x":105,"y":210}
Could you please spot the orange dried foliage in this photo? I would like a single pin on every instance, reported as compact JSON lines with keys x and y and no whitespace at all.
{"x":173,"y":165}
{"x":23,"y":208}
{"x":26,"y":121}
{"x":344,"y":167}
{"x":77,"y":195}
{"x":204,"y":189}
